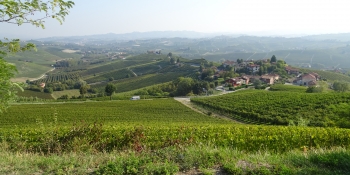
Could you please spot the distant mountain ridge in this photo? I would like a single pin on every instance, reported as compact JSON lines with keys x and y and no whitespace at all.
{"x":342,"y":37}
{"x":136,"y":36}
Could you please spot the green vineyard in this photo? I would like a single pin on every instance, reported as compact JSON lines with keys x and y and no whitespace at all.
{"x":116,"y":75}
{"x":148,"y":124}
{"x":59,"y":77}
{"x":133,"y":83}
{"x":280,"y":108}
{"x":131,"y":113}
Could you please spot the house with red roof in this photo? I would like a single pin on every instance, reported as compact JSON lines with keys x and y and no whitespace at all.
{"x":291,"y":70}
{"x":306,"y":79}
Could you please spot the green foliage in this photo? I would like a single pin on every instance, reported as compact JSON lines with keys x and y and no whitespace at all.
{"x":84,"y":89}
{"x":341,"y":86}
{"x":110,"y":89}
{"x":7,"y":88}
{"x":257,"y":84}
{"x":273,"y":59}
{"x":18,"y":12}
{"x":278,"y":107}
{"x":290,"y":88}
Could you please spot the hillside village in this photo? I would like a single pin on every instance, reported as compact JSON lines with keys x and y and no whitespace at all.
{"x":265,"y":71}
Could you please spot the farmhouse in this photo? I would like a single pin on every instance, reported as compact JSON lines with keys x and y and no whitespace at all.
{"x":291,"y":70}
{"x":268,"y":79}
{"x":306,"y":79}
{"x":228,"y":63}
{"x":238,"y":81}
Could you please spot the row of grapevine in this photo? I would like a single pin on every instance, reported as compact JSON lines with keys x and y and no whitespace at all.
{"x":119,"y":137}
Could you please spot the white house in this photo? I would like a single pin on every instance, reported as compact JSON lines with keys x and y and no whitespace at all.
{"x":253,"y":68}
{"x":306,"y":79}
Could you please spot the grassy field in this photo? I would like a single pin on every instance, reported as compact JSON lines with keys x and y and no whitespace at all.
{"x":29,"y":93}
{"x":190,"y":160}
{"x":70,"y":93}
{"x":289,"y":88}
{"x":33,"y":64}
{"x":30,"y":71}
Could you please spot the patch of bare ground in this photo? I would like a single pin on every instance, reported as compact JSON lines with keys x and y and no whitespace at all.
{"x":215,"y":171}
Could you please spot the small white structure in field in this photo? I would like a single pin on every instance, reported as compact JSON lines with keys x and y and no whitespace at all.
{"x":135,"y":98}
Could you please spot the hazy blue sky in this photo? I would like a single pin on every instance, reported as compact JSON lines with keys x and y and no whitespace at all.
{"x":234,"y":16}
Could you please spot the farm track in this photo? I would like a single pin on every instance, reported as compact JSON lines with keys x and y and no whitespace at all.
{"x":43,"y":75}
{"x":187,"y":102}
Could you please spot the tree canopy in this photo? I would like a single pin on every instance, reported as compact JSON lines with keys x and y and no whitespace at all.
{"x":341,"y":86}
{"x":110,"y":89}
{"x":273,"y":59}
{"x":20,"y":12}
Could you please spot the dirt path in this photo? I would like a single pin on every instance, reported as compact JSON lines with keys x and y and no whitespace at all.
{"x":187,"y":102}
{"x":42,"y":76}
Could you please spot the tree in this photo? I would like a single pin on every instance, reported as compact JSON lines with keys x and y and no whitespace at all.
{"x":273,"y":59}
{"x":257,"y":84}
{"x":172,"y":60}
{"x":110,"y":89}
{"x":83,"y":90}
{"x":19,"y":12}
{"x":340,"y":86}
{"x":184,"y":86}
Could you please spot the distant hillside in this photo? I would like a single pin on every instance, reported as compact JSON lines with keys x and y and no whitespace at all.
{"x":134,"y":36}
{"x":339,"y":37}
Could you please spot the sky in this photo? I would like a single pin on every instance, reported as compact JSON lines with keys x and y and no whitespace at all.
{"x":256,"y":17}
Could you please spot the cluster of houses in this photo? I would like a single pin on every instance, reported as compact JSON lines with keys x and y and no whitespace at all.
{"x":244,"y":65}
{"x":238,"y":81}
{"x":157,"y":51}
{"x":306,"y":79}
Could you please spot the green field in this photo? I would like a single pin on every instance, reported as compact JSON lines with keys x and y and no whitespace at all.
{"x":133,"y":83}
{"x":289,"y":88}
{"x":116,"y":113}
{"x":29,"y":93}
{"x":70,"y":93}
{"x":121,"y":64}
{"x":282,"y":107}
{"x":33,"y":64}
{"x":28,"y":70}
{"x":159,"y":136}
